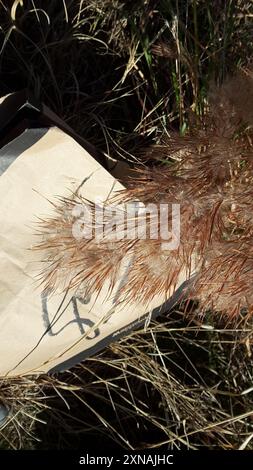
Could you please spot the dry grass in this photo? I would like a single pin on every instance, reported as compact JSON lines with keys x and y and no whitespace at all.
{"x":136,"y":70}
{"x":169,"y":385}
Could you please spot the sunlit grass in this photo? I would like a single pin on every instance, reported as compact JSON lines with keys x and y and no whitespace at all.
{"x":123,"y":74}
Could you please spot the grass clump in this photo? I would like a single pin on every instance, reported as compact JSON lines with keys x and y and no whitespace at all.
{"x":138,"y":72}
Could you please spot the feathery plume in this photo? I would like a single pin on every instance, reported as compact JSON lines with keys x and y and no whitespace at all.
{"x":208,"y":173}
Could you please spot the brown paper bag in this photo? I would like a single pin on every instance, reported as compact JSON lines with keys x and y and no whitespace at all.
{"x":40,"y":332}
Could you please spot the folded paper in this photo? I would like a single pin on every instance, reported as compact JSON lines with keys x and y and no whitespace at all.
{"x":40,"y":331}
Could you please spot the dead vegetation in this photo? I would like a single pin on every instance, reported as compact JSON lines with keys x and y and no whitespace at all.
{"x":139,"y":85}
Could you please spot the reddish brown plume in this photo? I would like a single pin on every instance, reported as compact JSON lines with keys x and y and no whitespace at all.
{"x":209,"y":173}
